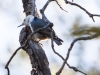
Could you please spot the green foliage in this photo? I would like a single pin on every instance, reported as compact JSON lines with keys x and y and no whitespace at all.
{"x":82,"y":30}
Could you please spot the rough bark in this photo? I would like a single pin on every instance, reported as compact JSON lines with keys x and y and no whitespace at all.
{"x":39,"y":61}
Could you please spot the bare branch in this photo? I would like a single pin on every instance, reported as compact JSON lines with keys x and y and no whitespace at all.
{"x":45,"y":6}
{"x":74,"y":68}
{"x":30,"y":37}
{"x":34,"y":50}
{"x":90,"y":15}
{"x":52,"y":45}
{"x":12,"y":57}
{"x":60,"y":6}
{"x":71,"y":46}
{"x":30,"y":8}
{"x":43,"y":9}
{"x":6,"y":67}
{"x":8,"y":70}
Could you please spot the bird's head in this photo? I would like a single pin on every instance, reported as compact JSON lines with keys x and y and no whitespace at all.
{"x":27,"y":20}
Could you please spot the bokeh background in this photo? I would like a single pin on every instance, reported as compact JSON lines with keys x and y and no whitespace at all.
{"x":85,"y":55}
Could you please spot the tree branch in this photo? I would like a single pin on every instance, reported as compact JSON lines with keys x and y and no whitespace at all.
{"x":6,"y":67}
{"x":43,"y":9}
{"x":70,"y":48}
{"x":37,"y":55}
{"x":74,"y":68}
{"x":90,"y":15}
{"x":60,"y":6}
{"x":40,"y":64}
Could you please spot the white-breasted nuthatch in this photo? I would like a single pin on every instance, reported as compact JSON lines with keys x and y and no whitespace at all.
{"x":35,"y":23}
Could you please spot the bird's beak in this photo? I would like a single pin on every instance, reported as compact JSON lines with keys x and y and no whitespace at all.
{"x":21,"y":25}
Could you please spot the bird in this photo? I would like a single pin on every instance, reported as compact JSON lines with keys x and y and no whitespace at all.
{"x":35,"y":23}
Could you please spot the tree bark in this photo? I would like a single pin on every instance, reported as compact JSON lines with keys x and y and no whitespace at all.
{"x":39,"y":61}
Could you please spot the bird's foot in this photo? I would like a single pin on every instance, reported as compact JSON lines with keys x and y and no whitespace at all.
{"x":38,"y":42}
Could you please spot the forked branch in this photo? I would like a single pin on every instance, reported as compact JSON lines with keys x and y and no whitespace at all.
{"x":70,"y":48}
{"x":75,"y":4}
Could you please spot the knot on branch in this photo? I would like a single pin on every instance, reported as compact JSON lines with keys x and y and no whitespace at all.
{"x":34,"y":72}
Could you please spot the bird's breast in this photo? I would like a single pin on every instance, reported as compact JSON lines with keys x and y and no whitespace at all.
{"x":40,"y":36}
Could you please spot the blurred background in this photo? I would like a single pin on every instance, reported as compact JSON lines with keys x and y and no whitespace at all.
{"x":85,"y":55}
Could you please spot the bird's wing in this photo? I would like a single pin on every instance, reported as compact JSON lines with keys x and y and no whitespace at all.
{"x":38,"y":23}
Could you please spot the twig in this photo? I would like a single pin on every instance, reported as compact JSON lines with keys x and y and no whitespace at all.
{"x":90,"y":15}
{"x":74,"y":68}
{"x":6,"y":67}
{"x":60,"y":6}
{"x":8,"y":70}
{"x":52,"y":45}
{"x":43,"y":9}
{"x":71,"y":46}
{"x":45,"y":6}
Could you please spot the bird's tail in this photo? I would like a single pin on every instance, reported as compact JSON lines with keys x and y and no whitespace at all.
{"x":58,"y":41}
